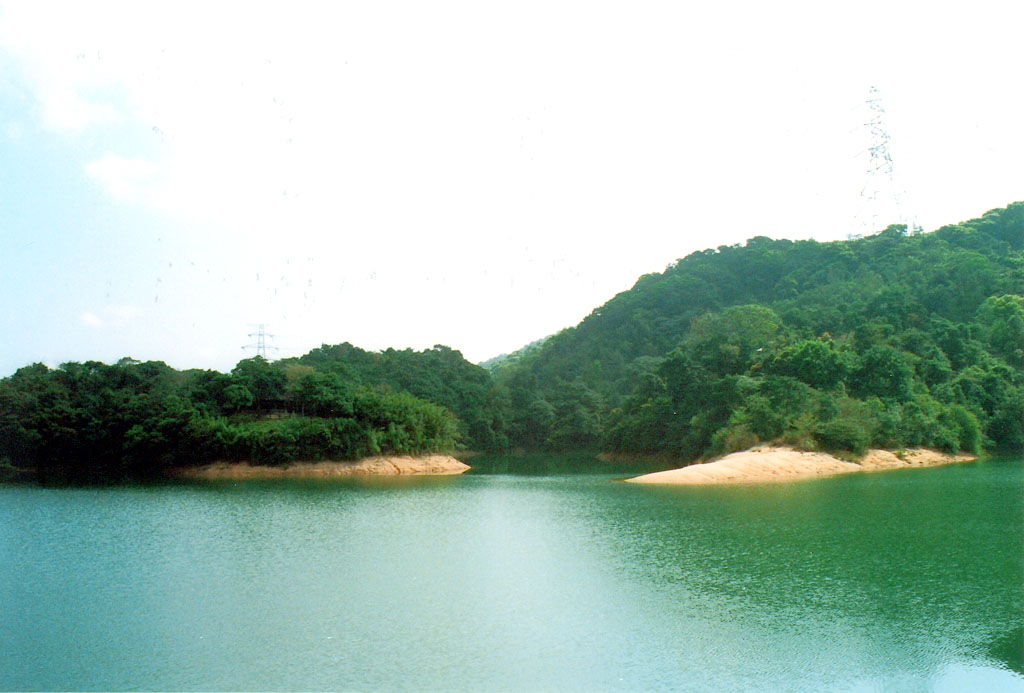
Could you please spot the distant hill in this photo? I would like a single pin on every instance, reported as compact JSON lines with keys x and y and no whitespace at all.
{"x":504,"y":360}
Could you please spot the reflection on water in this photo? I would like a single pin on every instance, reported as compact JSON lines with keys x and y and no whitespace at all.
{"x":1008,"y":649}
{"x":902,"y":580}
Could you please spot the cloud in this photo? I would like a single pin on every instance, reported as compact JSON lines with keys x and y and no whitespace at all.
{"x":521,"y":164}
{"x":113,"y":316}
{"x":349,"y":119}
{"x":65,"y":109}
{"x":91,"y":320}
{"x":60,"y":60}
{"x":128,"y":180}
{"x":121,"y":315}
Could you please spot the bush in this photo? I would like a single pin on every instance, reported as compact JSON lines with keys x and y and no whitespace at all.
{"x":732,"y":439}
{"x":965,"y":426}
{"x":843,"y":434}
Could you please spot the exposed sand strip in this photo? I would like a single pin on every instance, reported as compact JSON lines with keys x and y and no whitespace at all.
{"x":424,"y":465}
{"x":770,"y":464}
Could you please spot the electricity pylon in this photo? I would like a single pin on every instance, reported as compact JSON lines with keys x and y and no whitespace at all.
{"x":883,"y":198}
{"x":260,"y":345}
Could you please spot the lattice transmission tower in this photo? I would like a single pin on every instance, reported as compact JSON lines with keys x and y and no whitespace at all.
{"x":260,"y":345}
{"x":883,"y":197}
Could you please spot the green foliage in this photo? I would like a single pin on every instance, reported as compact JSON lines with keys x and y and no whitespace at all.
{"x":576,"y":422}
{"x":439,"y":375}
{"x":264,"y":380}
{"x":851,"y":429}
{"x":892,"y":340}
{"x":813,"y":361}
{"x":324,"y":394}
{"x":882,"y":372}
{"x":729,"y":341}
{"x":237,"y":397}
{"x":137,"y":419}
{"x":1001,"y":323}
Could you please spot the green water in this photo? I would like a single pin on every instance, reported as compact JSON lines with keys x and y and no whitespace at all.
{"x":909,"y":580}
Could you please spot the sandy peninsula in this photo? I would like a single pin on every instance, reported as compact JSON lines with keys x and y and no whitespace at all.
{"x":766,"y":464}
{"x":422,"y":465}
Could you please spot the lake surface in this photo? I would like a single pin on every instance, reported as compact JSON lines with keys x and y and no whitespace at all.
{"x":904,"y":580}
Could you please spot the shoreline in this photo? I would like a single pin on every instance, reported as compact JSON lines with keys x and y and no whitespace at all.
{"x":768,"y":464}
{"x":392,"y":465}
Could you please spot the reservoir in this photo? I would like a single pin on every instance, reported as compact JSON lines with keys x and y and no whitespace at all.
{"x":904,"y":580}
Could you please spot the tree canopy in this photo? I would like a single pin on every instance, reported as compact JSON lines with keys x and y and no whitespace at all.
{"x":895,"y":339}
{"x":892,"y":340}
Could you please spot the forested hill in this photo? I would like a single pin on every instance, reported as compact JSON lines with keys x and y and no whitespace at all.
{"x":439,"y":375}
{"x":894,"y":339}
{"x":337,"y":402}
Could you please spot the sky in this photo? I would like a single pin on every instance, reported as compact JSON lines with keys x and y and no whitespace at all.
{"x":479,"y":175}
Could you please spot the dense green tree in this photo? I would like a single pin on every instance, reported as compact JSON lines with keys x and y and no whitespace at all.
{"x":882,"y":372}
{"x":136,"y":419}
{"x":729,"y":341}
{"x":1001,"y":323}
{"x":440,"y":375}
{"x":894,"y":339}
{"x":324,"y":394}
{"x":813,"y":361}
{"x":266,"y":381}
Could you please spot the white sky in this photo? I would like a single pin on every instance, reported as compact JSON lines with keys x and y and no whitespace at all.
{"x":473,"y":174}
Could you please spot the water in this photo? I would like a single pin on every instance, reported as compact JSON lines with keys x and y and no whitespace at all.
{"x":909,"y":580}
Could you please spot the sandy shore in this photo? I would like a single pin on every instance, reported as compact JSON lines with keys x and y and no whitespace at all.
{"x":423,"y":465}
{"x":771,"y":464}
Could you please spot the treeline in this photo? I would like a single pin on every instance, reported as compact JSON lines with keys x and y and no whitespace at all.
{"x":741,"y":377}
{"x":137,"y":419}
{"x":892,"y":340}
{"x":440,"y":375}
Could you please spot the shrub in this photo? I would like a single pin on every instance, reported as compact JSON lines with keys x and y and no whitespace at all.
{"x":732,"y":439}
{"x":843,"y":434}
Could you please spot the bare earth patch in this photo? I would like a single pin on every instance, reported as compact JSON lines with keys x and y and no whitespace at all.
{"x":770,"y":464}
{"x":423,"y":465}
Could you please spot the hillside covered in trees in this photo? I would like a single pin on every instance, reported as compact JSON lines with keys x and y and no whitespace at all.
{"x":894,"y":340}
{"x":135,"y":419}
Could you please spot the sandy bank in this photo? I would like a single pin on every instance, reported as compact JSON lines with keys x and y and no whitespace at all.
{"x":423,"y":465}
{"x":770,"y":464}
